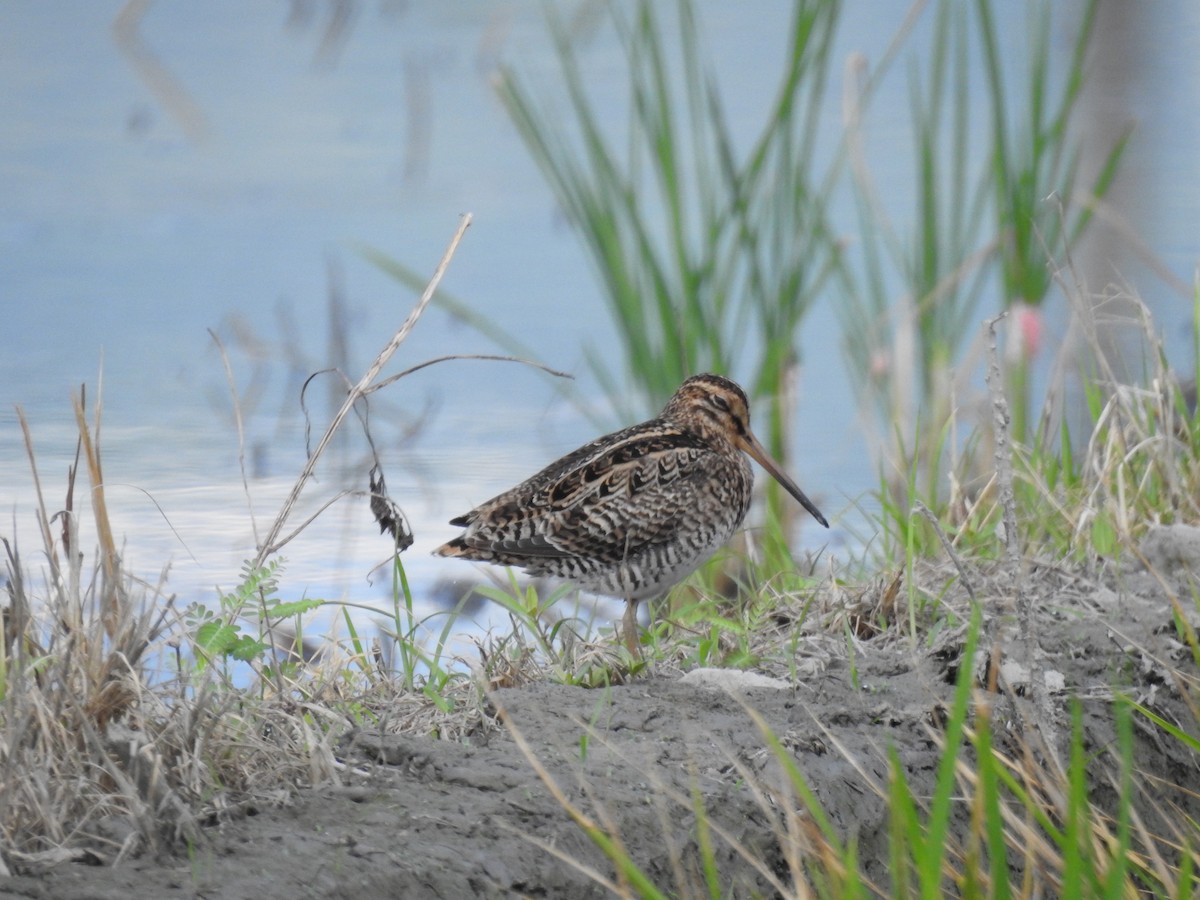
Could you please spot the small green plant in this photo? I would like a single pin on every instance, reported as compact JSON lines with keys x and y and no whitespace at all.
{"x":560,"y":647}
{"x":533,"y":614}
{"x":707,"y":629}
{"x":222,"y":635}
{"x":419,"y":667}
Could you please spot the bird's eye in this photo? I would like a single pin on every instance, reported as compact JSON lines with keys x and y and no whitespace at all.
{"x":720,"y":402}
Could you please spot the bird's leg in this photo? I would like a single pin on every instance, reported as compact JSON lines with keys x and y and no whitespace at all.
{"x":629,"y":627}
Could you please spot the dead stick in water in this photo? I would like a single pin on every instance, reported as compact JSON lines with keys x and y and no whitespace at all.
{"x":271,"y":543}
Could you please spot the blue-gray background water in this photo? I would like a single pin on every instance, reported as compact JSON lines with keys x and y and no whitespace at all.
{"x":219,"y":165}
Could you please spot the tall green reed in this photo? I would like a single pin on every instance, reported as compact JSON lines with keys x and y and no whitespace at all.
{"x":998,"y":202}
{"x":1041,"y":209}
{"x":903,"y":349}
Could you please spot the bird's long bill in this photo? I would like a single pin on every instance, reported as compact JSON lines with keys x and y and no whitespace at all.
{"x":760,"y":455}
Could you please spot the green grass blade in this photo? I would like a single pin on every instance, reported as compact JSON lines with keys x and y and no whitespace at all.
{"x":929,"y":864}
{"x":993,"y":819}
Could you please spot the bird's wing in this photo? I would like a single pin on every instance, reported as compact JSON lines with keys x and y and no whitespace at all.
{"x":604,"y":501}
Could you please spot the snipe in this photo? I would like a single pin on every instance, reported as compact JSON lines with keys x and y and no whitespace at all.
{"x":634,"y":512}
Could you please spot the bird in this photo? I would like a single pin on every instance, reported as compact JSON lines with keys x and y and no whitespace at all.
{"x":634,"y":512}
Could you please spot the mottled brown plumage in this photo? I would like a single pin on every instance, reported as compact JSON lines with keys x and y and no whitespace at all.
{"x":634,"y":512}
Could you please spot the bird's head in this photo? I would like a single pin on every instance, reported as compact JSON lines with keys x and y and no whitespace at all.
{"x":715,"y":407}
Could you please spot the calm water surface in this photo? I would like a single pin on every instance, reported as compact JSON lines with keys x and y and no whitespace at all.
{"x":219,"y":168}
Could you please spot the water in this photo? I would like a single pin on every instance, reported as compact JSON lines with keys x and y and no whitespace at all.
{"x":221,"y":168}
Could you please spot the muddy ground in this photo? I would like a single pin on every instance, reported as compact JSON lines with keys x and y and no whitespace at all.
{"x":416,"y":817}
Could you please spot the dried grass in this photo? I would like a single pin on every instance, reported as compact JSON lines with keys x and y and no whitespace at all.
{"x":102,"y":755}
